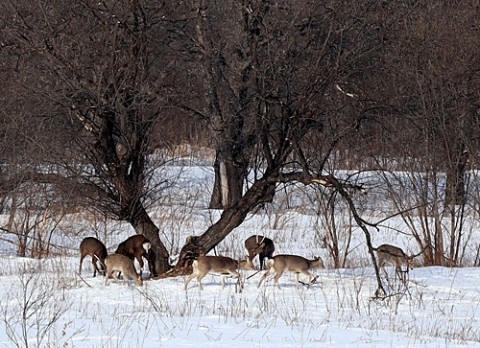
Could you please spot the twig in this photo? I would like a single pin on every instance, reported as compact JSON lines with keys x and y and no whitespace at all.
{"x":314,"y":280}
{"x":78,"y":274}
{"x":251,"y":275}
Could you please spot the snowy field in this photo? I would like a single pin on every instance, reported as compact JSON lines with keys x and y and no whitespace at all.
{"x":45,"y":303}
{"x":52,"y":307}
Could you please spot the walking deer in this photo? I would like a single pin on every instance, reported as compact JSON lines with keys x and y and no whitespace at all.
{"x":291,"y":263}
{"x":120,"y":263}
{"x":97,"y":250}
{"x":261,"y":246}
{"x":390,"y":254}
{"x":222,"y":265}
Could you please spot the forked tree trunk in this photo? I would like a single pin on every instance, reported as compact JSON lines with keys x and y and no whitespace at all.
{"x":262,"y":191}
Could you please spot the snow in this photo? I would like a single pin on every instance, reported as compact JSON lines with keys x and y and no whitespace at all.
{"x":439,"y":309}
{"x":45,"y":303}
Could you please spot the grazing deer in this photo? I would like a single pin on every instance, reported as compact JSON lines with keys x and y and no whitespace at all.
{"x":120,"y":263}
{"x":225,"y":266}
{"x":292,"y":263}
{"x":261,"y":246}
{"x":390,"y":254}
{"x":135,"y":247}
{"x":97,"y":250}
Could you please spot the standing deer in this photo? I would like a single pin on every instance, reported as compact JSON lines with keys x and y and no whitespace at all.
{"x":225,"y":266}
{"x":116,"y":263}
{"x":261,"y":246}
{"x":390,"y":254}
{"x":292,"y":263}
{"x":135,"y":247}
{"x":97,"y":250}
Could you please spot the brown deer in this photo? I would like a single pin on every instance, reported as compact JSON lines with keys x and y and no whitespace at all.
{"x":292,"y":263}
{"x":390,"y":254}
{"x":261,"y":246}
{"x":116,"y":263}
{"x":97,"y":250}
{"x":225,"y":266}
{"x":135,"y":247}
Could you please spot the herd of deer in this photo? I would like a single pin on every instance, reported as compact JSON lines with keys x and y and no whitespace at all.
{"x":135,"y":247}
{"x":138,"y":246}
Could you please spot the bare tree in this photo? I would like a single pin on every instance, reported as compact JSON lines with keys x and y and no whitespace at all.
{"x":281,"y":96}
{"x":435,"y":81}
{"x":94,"y":69}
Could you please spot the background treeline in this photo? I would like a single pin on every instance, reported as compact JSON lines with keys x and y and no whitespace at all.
{"x":282,"y":92}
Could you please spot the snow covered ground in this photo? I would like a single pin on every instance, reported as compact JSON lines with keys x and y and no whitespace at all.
{"x":45,"y":303}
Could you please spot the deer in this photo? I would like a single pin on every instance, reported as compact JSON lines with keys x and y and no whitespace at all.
{"x":261,"y":246}
{"x":223,"y":265}
{"x":395,"y":256}
{"x":292,"y":263}
{"x":135,"y":247}
{"x":97,"y":250}
{"x":116,"y":263}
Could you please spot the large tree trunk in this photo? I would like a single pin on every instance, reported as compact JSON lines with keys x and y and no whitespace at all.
{"x":228,"y":185}
{"x":262,"y":191}
{"x":158,"y":256}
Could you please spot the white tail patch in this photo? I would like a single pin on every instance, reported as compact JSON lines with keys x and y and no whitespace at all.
{"x":147,"y":246}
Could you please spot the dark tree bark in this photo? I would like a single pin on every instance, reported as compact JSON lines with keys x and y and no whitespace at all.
{"x":272,"y":99}
{"x":158,"y":258}
{"x":96,"y":70}
{"x":229,"y":180}
{"x":455,"y":193}
{"x":436,"y":90}
{"x":261,"y":191}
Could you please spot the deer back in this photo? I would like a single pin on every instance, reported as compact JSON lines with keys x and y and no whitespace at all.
{"x":259,"y":245}
{"x":387,"y":253}
{"x":294,"y":263}
{"x":214,"y":264}
{"x":134,"y":246}
{"x":92,"y":246}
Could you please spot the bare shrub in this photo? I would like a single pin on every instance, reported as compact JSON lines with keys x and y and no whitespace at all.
{"x":37,"y":309}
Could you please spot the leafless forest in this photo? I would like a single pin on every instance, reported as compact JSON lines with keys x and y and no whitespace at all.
{"x":97,"y":95}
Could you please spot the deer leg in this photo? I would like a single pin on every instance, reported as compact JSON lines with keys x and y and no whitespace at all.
{"x":108,"y":275}
{"x":95,"y":266}
{"x":307,"y":273}
{"x":199,"y":280}
{"x":277,"y":276}
{"x":265,"y":275}
{"x":261,"y":257}
{"x":222,"y":277}
{"x":190,"y":277}
{"x":140,"y":262}
{"x":401,"y":274}
{"x":239,"y":279}
{"x":80,"y":267}
{"x":297,"y":279}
